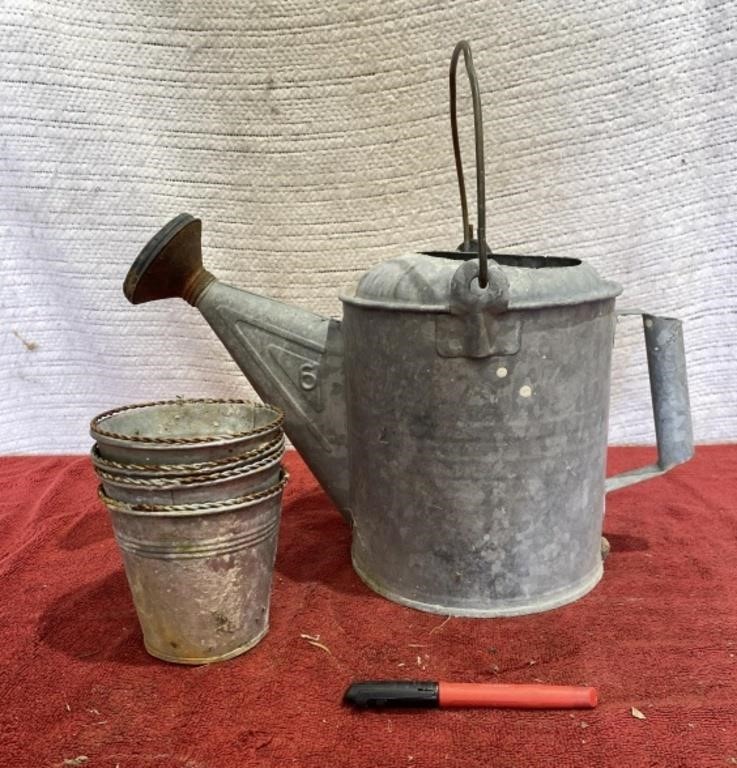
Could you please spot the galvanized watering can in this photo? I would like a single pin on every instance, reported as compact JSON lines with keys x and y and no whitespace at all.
{"x":456,"y":415}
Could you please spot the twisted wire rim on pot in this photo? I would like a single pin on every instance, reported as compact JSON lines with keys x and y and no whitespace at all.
{"x":186,"y":480}
{"x":231,"y":483}
{"x":184,"y":431}
{"x":201,"y":468}
{"x":177,"y":510}
{"x":97,"y":429}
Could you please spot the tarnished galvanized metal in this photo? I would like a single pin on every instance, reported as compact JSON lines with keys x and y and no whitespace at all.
{"x":458,"y":414}
{"x":200,"y":574}
{"x":478,"y":482}
{"x":184,"y":431}
{"x":666,"y":360}
{"x":172,"y":471}
{"x":433,"y":282}
{"x":194,"y":489}
{"x":294,"y":358}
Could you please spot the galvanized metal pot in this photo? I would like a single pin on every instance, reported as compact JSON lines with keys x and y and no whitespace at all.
{"x":200,"y":574}
{"x":184,"y":431}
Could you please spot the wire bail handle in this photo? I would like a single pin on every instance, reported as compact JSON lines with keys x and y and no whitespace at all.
{"x":478,"y":128}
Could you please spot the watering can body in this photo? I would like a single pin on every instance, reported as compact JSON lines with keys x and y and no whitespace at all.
{"x":478,"y":436}
{"x":461,"y":431}
{"x":477,"y":455}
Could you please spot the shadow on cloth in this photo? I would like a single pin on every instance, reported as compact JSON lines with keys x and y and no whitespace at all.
{"x":315,"y":545}
{"x":622,"y":542}
{"x":96,"y":622}
{"x":87,"y":530}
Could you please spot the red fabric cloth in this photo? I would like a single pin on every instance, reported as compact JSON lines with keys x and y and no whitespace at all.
{"x":659,"y":634}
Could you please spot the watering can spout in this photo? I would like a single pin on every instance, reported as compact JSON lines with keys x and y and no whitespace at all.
{"x":292,"y":357}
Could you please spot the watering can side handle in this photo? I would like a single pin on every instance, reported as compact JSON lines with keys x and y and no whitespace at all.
{"x":666,"y":362}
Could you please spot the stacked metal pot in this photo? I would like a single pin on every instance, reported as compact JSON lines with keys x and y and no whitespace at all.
{"x":194,"y":489}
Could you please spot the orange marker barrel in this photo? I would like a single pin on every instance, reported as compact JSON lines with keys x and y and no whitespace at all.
{"x":521,"y":696}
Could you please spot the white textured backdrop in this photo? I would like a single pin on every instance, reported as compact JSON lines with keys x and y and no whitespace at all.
{"x":313,"y":140}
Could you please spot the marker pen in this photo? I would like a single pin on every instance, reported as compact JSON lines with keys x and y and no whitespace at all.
{"x":379,"y":694}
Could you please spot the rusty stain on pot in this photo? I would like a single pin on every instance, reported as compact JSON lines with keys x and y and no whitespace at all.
{"x":200,"y":573}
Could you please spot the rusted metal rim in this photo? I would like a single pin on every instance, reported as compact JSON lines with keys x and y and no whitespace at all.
{"x":202,"y":508}
{"x":97,"y":430}
{"x":202,"y":468}
{"x":176,"y":470}
{"x":200,"y":660}
{"x":163,"y":483}
{"x":170,"y":264}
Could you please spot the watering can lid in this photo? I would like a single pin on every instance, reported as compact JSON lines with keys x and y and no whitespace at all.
{"x":422,"y":282}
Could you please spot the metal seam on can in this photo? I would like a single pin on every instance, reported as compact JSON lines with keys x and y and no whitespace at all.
{"x":221,"y":545}
{"x":96,"y":428}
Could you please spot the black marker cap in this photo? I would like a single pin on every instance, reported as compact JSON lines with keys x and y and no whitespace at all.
{"x":374,"y":694}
